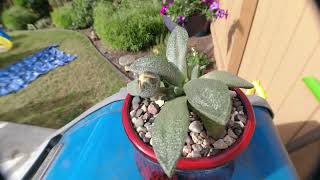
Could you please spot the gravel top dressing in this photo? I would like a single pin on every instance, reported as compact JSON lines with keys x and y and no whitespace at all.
{"x":198,"y":144}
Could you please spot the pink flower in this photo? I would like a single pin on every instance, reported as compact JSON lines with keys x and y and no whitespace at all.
{"x":214,"y":5}
{"x":222,"y":13}
{"x":163,"y":10}
{"x":180,"y":19}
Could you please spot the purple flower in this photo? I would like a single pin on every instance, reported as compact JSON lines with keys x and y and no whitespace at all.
{"x":180,"y":19}
{"x":214,"y":5}
{"x":221,"y":13}
{"x":163,"y":10}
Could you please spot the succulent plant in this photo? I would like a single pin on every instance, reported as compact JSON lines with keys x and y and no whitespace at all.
{"x":208,"y":96}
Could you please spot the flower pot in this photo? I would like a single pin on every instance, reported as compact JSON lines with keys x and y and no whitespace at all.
{"x":219,"y":166}
{"x":196,"y":26}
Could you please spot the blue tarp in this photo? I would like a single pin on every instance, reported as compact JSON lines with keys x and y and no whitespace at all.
{"x":18,"y":75}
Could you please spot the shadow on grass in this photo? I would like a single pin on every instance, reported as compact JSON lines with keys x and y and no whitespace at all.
{"x":54,"y":113}
{"x":12,"y":58}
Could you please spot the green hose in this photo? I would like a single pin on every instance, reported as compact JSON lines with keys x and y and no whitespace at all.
{"x":314,"y":85}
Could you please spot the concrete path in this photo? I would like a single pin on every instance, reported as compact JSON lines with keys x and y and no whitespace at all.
{"x":17,"y":142}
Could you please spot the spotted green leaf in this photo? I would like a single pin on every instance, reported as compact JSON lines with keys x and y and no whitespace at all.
{"x":164,"y":69}
{"x":177,"y":48}
{"x":195,"y":72}
{"x":133,"y":88}
{"x":211,"y":100}
{"x":229,"y":79}
{"x":170,"y":132}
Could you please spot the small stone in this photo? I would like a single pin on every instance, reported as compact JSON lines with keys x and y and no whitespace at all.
{"x":144,"y":108}
{"x":136,"y":100}
{"x":146,"y":102}
{"x":240,"y":108}
{"x":151,"y":142}
{"x":142,"y":134}
{"x":146,"y":116}
{"x":189,"y":140}
{"x":139,"y":112}
{"x":220,"y":144}
{"x":138,"y":122}
{"x":196,"y":137}
{"x":151,"y":120}
{"x":146,"y":140}
{"x":196,"y":127}
{"x":228,"y":140}
{"x":126,"y":60}
{"x":233,"y":94}
{"x":141,"y":129}
{"x":197,"y":147}
{"x":153,"y":108}
{"x":232,"y":134}
{"x":148,"y":135}
{"x":239,"y":124}
{"x":132,"y":113}
{"x":237,"y":131}
{"x":211,"y":140}
{"x":160,"y":102}
{"x":237,"y":103}
{"x":205,"y":143}
{"x":212,"y":152}
{"x":186,"y":150}
{"x":241,"y":117}
{"x":148,"y":126}
{"x":194,"y":154}
{"x":203,"y":134}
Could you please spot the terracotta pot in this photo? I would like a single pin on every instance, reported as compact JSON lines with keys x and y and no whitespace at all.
{"x":220,"y":166}
{"x":196,"y":26}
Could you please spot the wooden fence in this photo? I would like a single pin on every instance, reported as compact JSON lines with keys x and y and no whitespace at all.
{"x":278,"y":43}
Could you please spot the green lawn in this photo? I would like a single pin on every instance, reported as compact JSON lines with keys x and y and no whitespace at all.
{"x":59,"y":96}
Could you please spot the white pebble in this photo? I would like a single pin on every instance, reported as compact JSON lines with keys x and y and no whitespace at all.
{"x":228,"y":140}
{"x":160,"y":102}
{"x":220,"y":144}
{"x":196,"y":127}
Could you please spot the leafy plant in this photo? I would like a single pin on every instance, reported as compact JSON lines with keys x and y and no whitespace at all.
{"x":17,"y":18}
{"x":62,"y":17}
{"x":181,"y":10}
{"x":82,"y":13}
{"x":208,"y":96}
{"x":39,"y":6}
{"x":127,"y":28}
{"x":197,"y":58}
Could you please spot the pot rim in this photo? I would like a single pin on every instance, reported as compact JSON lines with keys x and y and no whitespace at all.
{"x":195,"y":163}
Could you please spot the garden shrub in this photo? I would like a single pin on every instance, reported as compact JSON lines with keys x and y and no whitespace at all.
{"x":62,"y":17}
{"x":17,"y":18}
{"x":39,"y":6}
{"x":129,"y":28}
{"x":82,"y":16}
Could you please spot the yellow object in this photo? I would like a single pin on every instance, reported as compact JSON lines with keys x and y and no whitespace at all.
{"x":5,"y":44}
{"x":257,"y":89}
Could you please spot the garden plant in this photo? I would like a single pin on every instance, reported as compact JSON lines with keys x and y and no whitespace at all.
{"x":182,"y":91}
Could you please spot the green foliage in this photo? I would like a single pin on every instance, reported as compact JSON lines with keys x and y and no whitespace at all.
{"x":83,"y":13}
{"x":39,"y":6}
{"x":177,"y":49}
{"x":211,"y":99}
{"x":17,"y":18}
{"x":195,"y":72}
{"x":170,"y":132}
{"x":62,"y":17}
{"x":230,"y":80}
{"x":194,"y":57}
{"x":57,"y":3}
{"x":128,"y":28}
{"x":164,"y":69}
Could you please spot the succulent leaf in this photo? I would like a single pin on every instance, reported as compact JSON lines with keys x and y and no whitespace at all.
{"x":229,"y":79}
{"x":177,"y":49}
{"x":149,"y":84}
{"x":170,"y":132}
{"x":157,"y":65}
{"x":211,"y":100}
{"x":195,"y":72}
{"x":133,"y":88}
